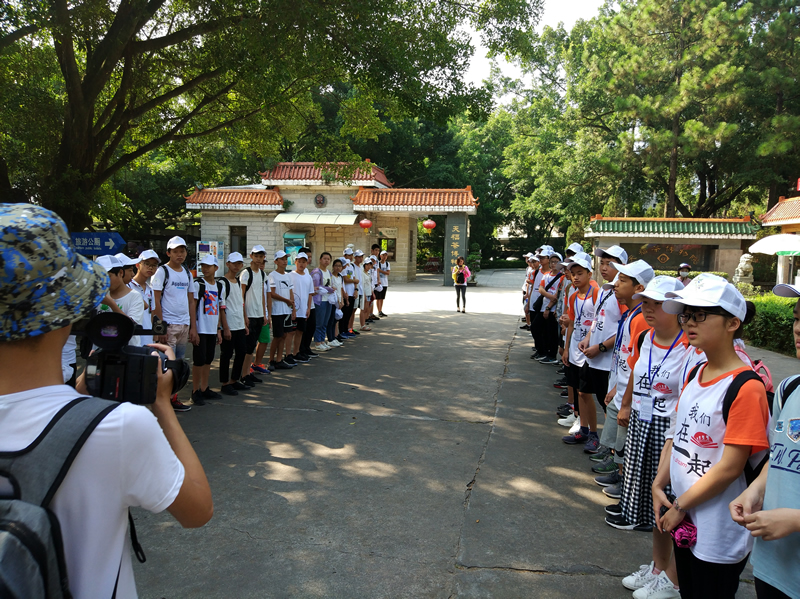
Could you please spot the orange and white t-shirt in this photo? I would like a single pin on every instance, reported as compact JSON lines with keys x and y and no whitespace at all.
{"x":698,"y":443}
{"x":581,"y":313}
{"x":656,"y":372}
{"x":633,"y":325}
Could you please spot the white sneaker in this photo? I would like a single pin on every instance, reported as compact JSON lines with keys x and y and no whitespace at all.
{"x":641,"y":578}
{"x":568,"y":421}
{"x":334,"y":343}
{"x":321,"y":347}
{"x":660,"y":587}
{"x":575,"y":427}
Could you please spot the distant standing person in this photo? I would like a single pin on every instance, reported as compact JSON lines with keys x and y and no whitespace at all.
{"x":683,"y":273}
{"x":461,"y":275}
{"x":384,"y":269}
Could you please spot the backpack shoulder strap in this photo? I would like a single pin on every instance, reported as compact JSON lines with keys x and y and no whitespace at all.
{"x":227,"y":284}
{"x":37,"y":471}
{"x":693,"y":372}
{"x":787,"y":387}
{"x":734,"y":388}
{"x":165,"y":268}
{"x":249,"y":279}
{"x":641,"y":339}
{"x":202,"y":287}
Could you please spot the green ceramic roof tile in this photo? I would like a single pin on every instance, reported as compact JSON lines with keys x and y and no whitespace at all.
{"x":672,"y":227}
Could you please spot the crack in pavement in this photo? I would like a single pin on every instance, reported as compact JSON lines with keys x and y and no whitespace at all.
{"x":482,"y":458}
{"x":577,"y":570}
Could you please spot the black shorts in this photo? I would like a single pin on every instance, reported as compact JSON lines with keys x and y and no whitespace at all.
{"x":300,"y":324}
{"x":593,"y":381}
{"x":255,"y":325}
{"x":572,"y":375}
{"x":203,"y":352}
{"x":281,"y":324}
{"x":379,"y":295}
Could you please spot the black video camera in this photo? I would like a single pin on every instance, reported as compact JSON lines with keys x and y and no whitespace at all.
{"x":120,"y":371}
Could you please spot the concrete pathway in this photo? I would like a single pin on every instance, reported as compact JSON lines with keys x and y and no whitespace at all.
{"x":420,"y":460}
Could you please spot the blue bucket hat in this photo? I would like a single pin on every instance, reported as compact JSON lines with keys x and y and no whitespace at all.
{"x":45,"y":283}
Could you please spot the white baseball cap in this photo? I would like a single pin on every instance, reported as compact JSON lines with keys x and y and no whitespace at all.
{"x":580,"y":262}
{"x":358,"y":253}
{"x":301,"y":255}
{"x":258,"y":249}
{"x":148,"y":254}
{"x":614,"y":251}
{"x":607,"y":286}
{"x":784,"y":290}
{"x":575,"y":247}
{"x":209,"y":259}
{"x":368,"y":262}
{"x":279,"y":254}
{"x":707,"y":291}
{"x":235,"y":257}
{"x":557,"y":256}
{"x":348,"y":251}
{"x":639,"y":270}
{"x":384,"y":252}
{"x":109,"y":262}
{"x":658,"y":288}
{"x":545,"y":253}
{"x":126,"y":261}
{"x":176,"y":242}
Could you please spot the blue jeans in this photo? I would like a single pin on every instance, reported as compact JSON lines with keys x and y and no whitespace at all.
{"x":332,"y":323}
{"x":323,"y":316}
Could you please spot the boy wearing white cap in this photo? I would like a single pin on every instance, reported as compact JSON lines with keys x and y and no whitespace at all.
{"x":358,"y":297}
{"x":128,"y":302}
{"x":303,"y":291}
{"x":770,"y":507}
{"x":282,"y":310}
{"x":384,"y":270}
{"x":211,"y":325}
{"x":145,"y":268}
{"x":252,"y":280}
{"x":175,"y":304}
{"x":236,"y":346}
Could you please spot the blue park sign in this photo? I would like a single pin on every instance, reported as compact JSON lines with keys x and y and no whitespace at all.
{"x":98,"y":244}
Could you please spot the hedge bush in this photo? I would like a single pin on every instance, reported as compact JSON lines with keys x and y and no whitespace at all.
{"x":692,"y":273}
{"x":772,"y":326}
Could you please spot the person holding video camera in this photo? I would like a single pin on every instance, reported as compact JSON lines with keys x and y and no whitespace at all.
{"x":135,"y":456}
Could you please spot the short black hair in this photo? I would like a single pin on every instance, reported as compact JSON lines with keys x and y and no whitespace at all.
{"x":328,"y":254}
{"x":375,"y":246}
{"x":306,"y":250}
{"x":337,"y":260}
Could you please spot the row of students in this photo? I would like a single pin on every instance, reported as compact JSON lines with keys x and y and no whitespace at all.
{"x":248,"y":312}
{"x":693,"y":414}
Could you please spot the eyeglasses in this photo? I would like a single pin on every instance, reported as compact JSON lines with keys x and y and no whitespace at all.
{"x":696,"y":316}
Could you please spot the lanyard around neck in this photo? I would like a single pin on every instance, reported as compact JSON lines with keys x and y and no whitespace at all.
{"x":628,"y":316}
{"x":650,"y":373}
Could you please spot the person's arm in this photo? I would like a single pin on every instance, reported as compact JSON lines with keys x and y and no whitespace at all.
{"x":223,"y":318}
{"x":718,"y":478}
{"x":565,"y":354}
{"x":660,"y":483}
{"x":624,"y":416}
{"x":751,"y":500}
{"x":310,"y":302}
{"x":112,"y":304}
{"x":291,"y":303}
{"x":193,"y":506}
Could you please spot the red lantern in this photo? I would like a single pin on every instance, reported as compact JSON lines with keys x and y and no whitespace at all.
{"x":429,"y":225}
{"x":365,"y":224}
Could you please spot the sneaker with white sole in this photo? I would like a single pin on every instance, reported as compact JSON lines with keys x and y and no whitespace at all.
{"x":568,"y":421}
{"x":576,"y":426}
{"x":335,"y":343}
{"x":660,"y":587}
{"x":641,"y":578}
{"x":321,"y":347}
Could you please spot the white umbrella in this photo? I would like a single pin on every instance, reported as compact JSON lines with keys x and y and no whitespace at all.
{"x":784,"y":244}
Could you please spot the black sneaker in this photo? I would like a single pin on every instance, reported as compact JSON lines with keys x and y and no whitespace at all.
{"x":563,"y":413}
{"x":245,"y":384}
{"x":282,"y":365}
{"x":608,"y":480}
{"x":643,"y":528}
{"x":251,"y":378}
{"x":564,"y":394}
{"x":614,"y":509}
{"x":564,"y":406}
{"x":535,"y":356}
{"x":197,"y":398}
{"x":301,"y":358}
{"x":178,"y":406}
{"x":619,"y":522}
{"x":525,"y":327}
{"x":271,"y":366}
{"x":381,"y":314}
{"x":374,"y":318}
{"x":560,"y":384}
{"x":311,"y":354}
{"x":340,"y":339}
{"x":229,"y":390}
{"x":209,"y":394}
{"x":290,"y":360}
{"x":561,"y":370}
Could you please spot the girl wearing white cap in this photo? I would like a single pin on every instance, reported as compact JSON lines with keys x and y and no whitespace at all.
{"x":718,"y":442}
{"x":770,"y":507}
{"x":652,"y":391}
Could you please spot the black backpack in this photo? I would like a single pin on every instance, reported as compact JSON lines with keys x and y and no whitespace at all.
{"x":202,"y":284}
{"x":460,"y":277}
{"x":31,"y":550}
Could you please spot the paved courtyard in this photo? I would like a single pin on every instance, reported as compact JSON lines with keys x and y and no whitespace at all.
{"x":421,"y":460}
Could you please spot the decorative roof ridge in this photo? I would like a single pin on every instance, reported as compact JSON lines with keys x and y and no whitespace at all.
{"x":741,"y":219}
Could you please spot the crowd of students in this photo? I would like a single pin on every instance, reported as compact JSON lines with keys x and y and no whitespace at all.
{"x":290,"y":316}
{"x":687,"y":429}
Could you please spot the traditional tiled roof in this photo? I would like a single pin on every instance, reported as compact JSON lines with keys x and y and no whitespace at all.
{"x":305,"y":173}
{"x":785,"y":212}
{"x":416,"y":200}
{"x":235,"y":198}
{"x":708,"y":228}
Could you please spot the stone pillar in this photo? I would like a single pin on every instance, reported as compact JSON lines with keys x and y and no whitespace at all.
{"x":455,"y":243}
{"x":783,"y":270}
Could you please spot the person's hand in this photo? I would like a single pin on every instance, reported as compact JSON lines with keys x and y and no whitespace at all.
{"x":671,"y":520}
{"x":194,"y":338}
{"x":746,"y":504}
{"x":164,"y":389}
{"x":546,"y":314}
{"x":659,"y":500}
{"x":246,"y":323}
{"x":610,"y":397}
{"x":624,"y":416}
{"x":226,"y":334}
{"x":592,"y":351}
{"x":582,"y":345}
{"x":219,"y":337}
{"x":108,"y":301}
{"x":773,"y":524}
{"x":565,"y":358}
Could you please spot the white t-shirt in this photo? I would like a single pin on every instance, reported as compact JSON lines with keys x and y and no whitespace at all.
{"x":126,"y":462}
{"x":303,"y":286}
{"x":234,"y":306}
{"x":327,"y":281}
{"x":537,"y":279}
{"x":133,"y":305}
{"x":69,"y":356}
{"x":338,"y":284}
{"x":349,"y":271}
{"x":282,"y":284}
{"x":359,"y":275}
{"x":149,"y":305}
{"x":174,"y":299}
{"x":208,"y":308}
{"x":604,"y":327}
{"x":581,"y":311}
{"x":663,"y":385}
{"x":384,"y":279}
{"x":547,"y":280}
{"x":254,"y":302}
